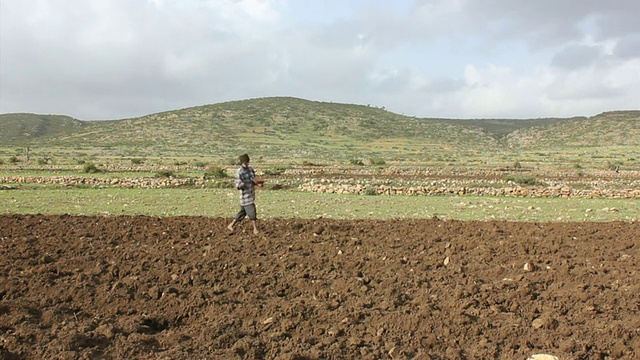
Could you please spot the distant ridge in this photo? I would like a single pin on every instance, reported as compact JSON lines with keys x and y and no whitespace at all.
{"x":277,"y":124}
{"x":22,"y":127}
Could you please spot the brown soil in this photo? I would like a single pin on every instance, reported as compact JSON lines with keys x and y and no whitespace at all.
{"x":75,"y":287}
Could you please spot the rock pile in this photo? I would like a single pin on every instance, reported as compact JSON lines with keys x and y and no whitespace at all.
{"x":519,"y":191}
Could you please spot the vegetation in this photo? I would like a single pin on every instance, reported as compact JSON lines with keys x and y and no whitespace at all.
{"x":91,"y":168}
{"x":282,"y":130}
{"x":222,"y":202}
{"x":287,"y":135}
{"x":162,"y":173}
{"x":215,"y":172}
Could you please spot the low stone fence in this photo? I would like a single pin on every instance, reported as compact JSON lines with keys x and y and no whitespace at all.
{"x":519,"y":191}
{"x":358,"y":187}
{"x":80,"y":181}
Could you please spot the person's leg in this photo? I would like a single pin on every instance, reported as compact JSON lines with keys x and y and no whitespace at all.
{"x":239,"y":216}
{"x":255,"y":227}
{"x":252,"y":214}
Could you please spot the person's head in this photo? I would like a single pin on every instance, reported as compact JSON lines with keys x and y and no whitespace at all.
{"x":244,"y":159}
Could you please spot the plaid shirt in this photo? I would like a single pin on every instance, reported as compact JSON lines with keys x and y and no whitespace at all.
{"x":244,"y":183}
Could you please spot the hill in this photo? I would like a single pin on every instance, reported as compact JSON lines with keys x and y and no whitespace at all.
{"x":616,"y":128}
{"x":23,"y":128}
{"x":298,"y":128}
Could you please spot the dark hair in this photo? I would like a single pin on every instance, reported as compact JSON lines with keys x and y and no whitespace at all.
{"x":244,"y":159}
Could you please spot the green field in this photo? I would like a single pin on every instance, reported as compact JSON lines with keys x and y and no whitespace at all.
{"x":293,"y":204}
{"x":599,"y":153}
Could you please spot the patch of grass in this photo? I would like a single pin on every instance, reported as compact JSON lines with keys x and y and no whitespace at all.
{"x":223,"y":202}
{"x":215,"y":172}
{"x":91,"y":168}
{"x":377,"y":161}
{"x":275,"y":171}
{"x":370,"y":190}
{"x":162,"y":173}
{"x":524,"y":180}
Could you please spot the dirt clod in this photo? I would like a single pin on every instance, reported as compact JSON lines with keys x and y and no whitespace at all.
{"x":288,"y":295}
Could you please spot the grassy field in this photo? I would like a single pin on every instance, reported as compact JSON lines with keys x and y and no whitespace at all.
{"x":293,"y":204}
{"x":282,"y":134}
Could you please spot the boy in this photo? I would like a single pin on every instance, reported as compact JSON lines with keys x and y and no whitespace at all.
{"x":245,"y":182}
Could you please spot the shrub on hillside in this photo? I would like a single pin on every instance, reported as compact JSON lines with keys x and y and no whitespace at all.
{"x":91,"y":168}
{"x":524,"y":180}
{"x":371,"y":190}
{"x":377,"y":161}
{"x":215,"y":172}
{"x":165,"y":173}
{"x":274,"y":171}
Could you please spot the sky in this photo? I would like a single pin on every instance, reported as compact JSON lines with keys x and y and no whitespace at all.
{"x":461,"y":59}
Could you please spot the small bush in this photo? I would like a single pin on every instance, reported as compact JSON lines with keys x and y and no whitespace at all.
{"x":613,"y":166}
{"x":13,"y":160}
{"x":523,"y":180}
{"x":357,"y":162}
{"x":517,"y":165}
{"x":274,"y":171}
{"x":277,"y":187}
{"x":200,"y":164}
{"x":371,"y":190}
{"x":164,"y":173}
{"x":91,"y":168}
{"x":215,"y":172}
{"x":309,"y":163}
{"x":377,"y":161}
{"x":137,"y":161}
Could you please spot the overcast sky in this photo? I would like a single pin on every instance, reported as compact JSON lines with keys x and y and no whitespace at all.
{"x":116,"y":59}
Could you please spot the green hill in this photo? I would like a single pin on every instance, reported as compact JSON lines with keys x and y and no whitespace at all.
{"x":23,"y":128}
{"x":617,"y":128}
{"x":296,"y":128}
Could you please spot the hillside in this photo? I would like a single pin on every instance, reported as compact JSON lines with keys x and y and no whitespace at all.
{"x":294,"y":127}
{"x":22,"y":128}
{"x":617,"y":128}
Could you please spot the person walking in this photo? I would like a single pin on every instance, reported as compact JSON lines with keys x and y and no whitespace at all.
{"x":245,"y":182}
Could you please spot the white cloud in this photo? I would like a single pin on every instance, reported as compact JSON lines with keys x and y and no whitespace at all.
{"x":101,"y":59}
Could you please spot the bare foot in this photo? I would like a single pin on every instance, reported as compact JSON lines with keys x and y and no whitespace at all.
{"x":230,"y":227}
{"x":256,"y":232}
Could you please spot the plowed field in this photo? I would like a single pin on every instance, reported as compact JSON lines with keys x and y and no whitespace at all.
{"x":74,"y":287}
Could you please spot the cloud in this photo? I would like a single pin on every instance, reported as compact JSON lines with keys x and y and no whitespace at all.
{"x":103,"y":59}
{"x":628,"y":47}
{"x":576,"y":56}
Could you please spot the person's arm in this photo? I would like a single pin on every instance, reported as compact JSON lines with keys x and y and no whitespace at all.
{"x":239,"y":182}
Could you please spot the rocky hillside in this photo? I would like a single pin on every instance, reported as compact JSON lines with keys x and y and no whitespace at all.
{"x":300,"y":127}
